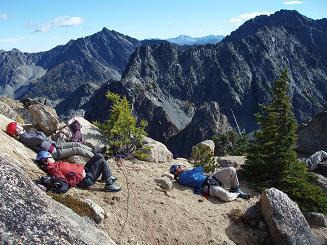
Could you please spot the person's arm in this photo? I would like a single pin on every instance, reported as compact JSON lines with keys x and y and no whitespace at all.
{"x":198,"y":169}
{"x":64,"y":135}
{"x":32,"y":139}
{"x":73,"y":178}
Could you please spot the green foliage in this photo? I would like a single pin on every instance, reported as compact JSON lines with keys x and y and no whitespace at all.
{"x":121,"y":130}
{"x":271,"y":158}
{"x":297,"y":182}
{"x":231,"y":143}
{"x":202,"y":156}
{"x":143,"y":154}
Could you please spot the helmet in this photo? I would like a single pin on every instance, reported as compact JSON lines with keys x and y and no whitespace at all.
{"x":173,"y":168}
{"x":11,"y":129}
{"x":42,"y":154}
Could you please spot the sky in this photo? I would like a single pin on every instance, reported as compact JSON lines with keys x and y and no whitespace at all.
{"x":39,"y":25}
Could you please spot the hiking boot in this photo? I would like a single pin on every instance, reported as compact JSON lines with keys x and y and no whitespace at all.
{"x":241,"y":194}
{"x":112,"y":178}
{"x":111,"y":187}
{"x":105,"y":156}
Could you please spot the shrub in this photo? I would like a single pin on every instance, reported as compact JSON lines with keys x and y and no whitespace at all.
{"x":231,"y":143}
{"x":142,"y":154}
{"x":202,"y":156}
{"x":121,"y":130}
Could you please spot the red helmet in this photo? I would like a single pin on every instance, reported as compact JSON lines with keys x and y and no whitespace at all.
{"x":11,"y":128}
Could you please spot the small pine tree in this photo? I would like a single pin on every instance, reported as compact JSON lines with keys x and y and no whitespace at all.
{"x":230,"y":143}
{"x":271,"y":158}
{"x":122,"y":133}
{"x":203,"y":156}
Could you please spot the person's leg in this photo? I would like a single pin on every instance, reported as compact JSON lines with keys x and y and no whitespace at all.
{"x":65,"y":145}
{"x":64,"y":153}
{"x":96,"y":166}
{"x":227,"y":176}
{"x":221,"y":193}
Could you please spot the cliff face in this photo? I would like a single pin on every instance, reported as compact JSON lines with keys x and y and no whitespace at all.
{"x":58,"y":72}
{"x":237,"y":73}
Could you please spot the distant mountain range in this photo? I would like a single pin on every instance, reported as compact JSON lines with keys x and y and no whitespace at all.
{"x":187,"y":40}
{"x":186,"y":93}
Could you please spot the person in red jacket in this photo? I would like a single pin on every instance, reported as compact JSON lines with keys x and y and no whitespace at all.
{"x":70,"y":174}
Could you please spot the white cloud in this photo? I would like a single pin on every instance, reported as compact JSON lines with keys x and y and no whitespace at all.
{"x":61,"y":21}
{"x":43,"y":28}
{"x":3,"y":16}
{"x":291,"y":2}
{"x":67,"y":21}
{"x":244,"y":17}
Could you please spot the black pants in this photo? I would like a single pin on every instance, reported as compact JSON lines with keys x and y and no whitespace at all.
{"x":96,"y":166}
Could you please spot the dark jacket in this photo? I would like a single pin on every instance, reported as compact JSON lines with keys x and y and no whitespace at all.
{"x":38,"y":141}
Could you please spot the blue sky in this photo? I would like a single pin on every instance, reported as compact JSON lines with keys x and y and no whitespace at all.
{"x":39,"y":25}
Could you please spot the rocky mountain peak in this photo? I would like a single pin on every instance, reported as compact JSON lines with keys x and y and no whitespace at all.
{"x":289,"y":19}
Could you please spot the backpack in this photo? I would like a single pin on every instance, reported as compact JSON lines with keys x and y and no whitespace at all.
{"x":53,"y":184}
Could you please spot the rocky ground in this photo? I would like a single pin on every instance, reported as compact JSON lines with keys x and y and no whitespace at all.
{"x":142,"y":213}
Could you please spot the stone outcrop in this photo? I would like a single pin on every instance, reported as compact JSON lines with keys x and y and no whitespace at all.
{"x":316,"y":219}
{"x":29,"y":216}
{"x":15,"y":110}
{"x":312,"y":137}
{"x":98,"y":213}
{"x":206,"y":122}
{"x":230,"y":161}
{"x":285,"y":221}
{"x":209,"y":144}
{"x":45,"y":117}
{"x":164,"y":183}
{"x":157,"y":151}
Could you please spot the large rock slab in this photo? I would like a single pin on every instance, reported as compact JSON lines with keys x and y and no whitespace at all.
{"x":230,"y":161}
{"x":157,"y":151}
{"x":29,"y":216}
{"x":15,"y":110}
{"x":285,"y":221}
{"x":91,"y":133}
{"x":45,"y":117}
{"x":209,"y":144}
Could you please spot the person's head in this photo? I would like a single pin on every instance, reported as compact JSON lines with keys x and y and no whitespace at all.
{"x":43,"y":158}
{"x":176,"y":169}
{"x":13,"y":129}
{"x":75,"y":126}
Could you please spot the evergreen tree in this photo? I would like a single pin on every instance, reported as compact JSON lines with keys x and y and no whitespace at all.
{"x":271,"y":158}
{"x":121,"y":130}
{"x":230,"y":143}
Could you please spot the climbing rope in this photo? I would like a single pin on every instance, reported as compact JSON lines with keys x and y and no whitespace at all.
{"x":119,"y":162}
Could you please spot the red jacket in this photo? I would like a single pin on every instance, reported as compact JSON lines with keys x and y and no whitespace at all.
{"x":68,"y":172}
